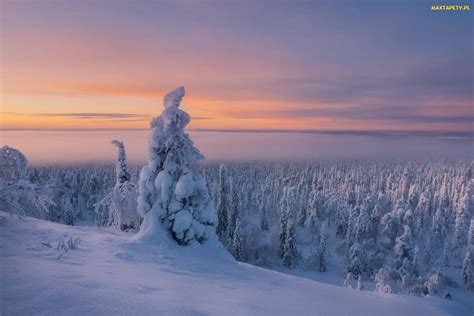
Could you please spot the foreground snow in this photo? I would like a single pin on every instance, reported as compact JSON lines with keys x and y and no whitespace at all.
{"x":110,"y":274}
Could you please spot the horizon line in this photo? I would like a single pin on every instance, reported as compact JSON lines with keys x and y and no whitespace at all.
{"x":383,"y":133}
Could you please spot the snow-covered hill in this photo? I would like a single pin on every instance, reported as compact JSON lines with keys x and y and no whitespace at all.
{"x":108,"y":273}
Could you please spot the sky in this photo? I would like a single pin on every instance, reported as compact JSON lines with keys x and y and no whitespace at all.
{"x":246,"y":65}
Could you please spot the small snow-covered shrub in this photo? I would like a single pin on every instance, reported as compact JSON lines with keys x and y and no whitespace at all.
{"x":434,"y":283}
{"x":385,"y":280}
{"x":66,"y":243}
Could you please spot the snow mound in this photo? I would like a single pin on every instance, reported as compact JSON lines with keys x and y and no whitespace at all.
{"x":51,"y":269}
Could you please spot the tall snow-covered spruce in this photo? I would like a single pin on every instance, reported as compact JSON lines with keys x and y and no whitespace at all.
{"x":173,"y":196}
{"x":122,"y":175}
{"x":119,"y":207}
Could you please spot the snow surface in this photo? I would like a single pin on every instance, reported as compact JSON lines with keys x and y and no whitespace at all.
{"x":110,"y":273}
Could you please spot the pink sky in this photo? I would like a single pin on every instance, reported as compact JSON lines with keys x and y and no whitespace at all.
{"x":107,"y":64}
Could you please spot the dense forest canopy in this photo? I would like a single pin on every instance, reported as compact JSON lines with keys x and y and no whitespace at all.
{"x":405,"y":225}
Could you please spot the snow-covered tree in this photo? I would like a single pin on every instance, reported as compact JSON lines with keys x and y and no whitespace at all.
{"x":415,"y":263}
{"x":290,"y":250}
{"x":173,"y":196}
{"x":17,"y":194}
{"x":223,"y":202}
{"x":69,"y":214}
{"x":390,"y":227}
{"x":470,"y":238}
{"x":384,"y":280}
{"x":322,"y":254}
{"x":315,"y":203}
{"x":352,"y":226}
{"x":282,"y":233}
{"x":287,"y":207}
{"x":375,"y":222}
{"x":348,"y":280}
{"x":422,"y":212}
{"x":119,"y":207}
{"x":356,"y":265}
{"x":468,"y":270}
{"x":446,"y":254}
{"x":434,"y":282}
{"x":404,"y":245}
{"x":264,"y":217}
{"x":409,"y":281}
{"x":428,"y":252}
{"x":122,"y":174}
{"x":12,"y":165}
{"x":363,"y":225}
{"x":438,"y":227}
{"x":233,"y":211}
{"x":468,"y":262}
{"x":237,"y":241}
{"x":360,"y":287}
{"x":461,"y":229}
{"x":413,"y":196}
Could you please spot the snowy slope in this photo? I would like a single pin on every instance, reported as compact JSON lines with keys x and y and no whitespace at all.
{"x":110,"y":274}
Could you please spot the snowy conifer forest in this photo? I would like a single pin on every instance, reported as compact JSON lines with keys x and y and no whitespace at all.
{"x":403,"y":225}
{"x":392,"y":227}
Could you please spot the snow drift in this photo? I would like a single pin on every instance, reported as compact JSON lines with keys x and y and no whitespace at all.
{"x":105,"y":274}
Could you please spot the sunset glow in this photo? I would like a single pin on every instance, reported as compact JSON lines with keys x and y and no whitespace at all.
{"x":86,"y":65}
